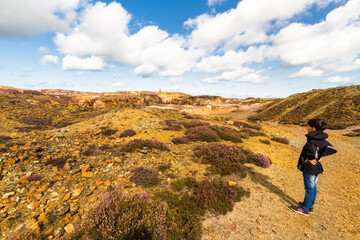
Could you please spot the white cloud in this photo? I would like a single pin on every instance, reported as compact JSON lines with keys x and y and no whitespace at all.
{"x":247,"y":24}
{"x":102,"y":31}
{"x":49,"y":59}
{"x":21,"y":18}
{"x":172,"y":88}
{"x":331,"y":45}
{"x":26,"y":69}
{"x":117,"y":75}
{"x":307,"y":72}
{"x":240,"y":75}
{"x":43,"y":50}
{"x":90,"y":63}
{"x":177,"y":80}
{"x":119,"y":84}
{"x":214,"y":2}
{"x":337,"y":79}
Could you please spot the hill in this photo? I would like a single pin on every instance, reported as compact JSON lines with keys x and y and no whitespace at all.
{"x":339,"y":105}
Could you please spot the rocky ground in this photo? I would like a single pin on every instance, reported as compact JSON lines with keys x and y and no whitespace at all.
{"x":50,"y":177}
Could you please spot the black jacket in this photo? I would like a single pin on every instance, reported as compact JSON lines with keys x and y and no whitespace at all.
{"x":315,"y":148}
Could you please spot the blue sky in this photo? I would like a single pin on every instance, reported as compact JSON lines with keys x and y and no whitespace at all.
{"x":249,"y":48}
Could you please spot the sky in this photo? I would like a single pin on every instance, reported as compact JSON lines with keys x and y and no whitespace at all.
{"x":237,"y":49}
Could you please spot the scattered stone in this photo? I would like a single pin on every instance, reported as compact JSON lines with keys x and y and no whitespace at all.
{"x":69,"y":228}
{"x":63,"y":209}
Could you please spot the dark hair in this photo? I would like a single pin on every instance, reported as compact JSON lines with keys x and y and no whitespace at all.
{"x":318,"y":124}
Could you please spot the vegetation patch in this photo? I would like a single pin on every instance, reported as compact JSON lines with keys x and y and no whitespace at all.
{"x":145,"y":177}
{"x":56,"y":162}
{"x":127,"y":133}
{"x":107,"y":131}
{"x":259,"y":160}
{"x":195,"y":124}
{"x":122,"y":216}
{"x":280,"y":140}
{"x":137,"y":144}
{"x":33,"y":177}
{"x":172,"y":125}
{"x":224,"y":159}
{"x":4,"y":138}
{"x":267,"y":142}
{"x":180,"y":184}
{"x":202,"y":133}
{"x":228,"y":134}
{"x":180,"y":140}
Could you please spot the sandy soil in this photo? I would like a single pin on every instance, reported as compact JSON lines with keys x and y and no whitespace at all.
{"x":265,"y":214}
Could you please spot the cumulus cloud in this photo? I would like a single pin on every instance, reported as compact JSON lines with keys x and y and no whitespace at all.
{"x":90,"y":63}
{"x":307,"y":72}
{"x":247,"y":24}
{"x":337,"y":79}
{"x":43,"y":50}
{"x":49,"y":59}
{"x":117,"y":75}
{"x":21,"y":18}
{"x":330,"y":45}
{"x":102,"y":31}
{"x":241,"y":75}
{"x":172,"y":88}
{"x":214,"y":2}
{"x":119,"y":85}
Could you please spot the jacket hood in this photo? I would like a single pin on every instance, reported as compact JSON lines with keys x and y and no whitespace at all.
{"x":317,"y":135}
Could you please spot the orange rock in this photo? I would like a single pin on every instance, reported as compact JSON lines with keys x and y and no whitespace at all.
{"x":76,"y":219}
{"x":62,"y":189}
{"x":108,"y":183}
{"x":37,"y":195}
{"x":99,"y":183}
{"x":66,"y":197}
{"x":33,"y":205}
{"x":87,"y":174}
{"x":42,"y":218}
{"x":56,"y":170}
{"x":9,"y":162}
{"x":77,"y":192}
{"x":231,"y":183}
{"x":69,"y":228}
{"x":86,"y":168}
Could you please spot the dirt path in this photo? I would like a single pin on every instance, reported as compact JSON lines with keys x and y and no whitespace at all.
{"x":265,"y":214}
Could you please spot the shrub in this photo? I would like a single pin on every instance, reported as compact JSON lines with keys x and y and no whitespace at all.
{"x":180,"y":184}
{"x":105,"y":147}
{"x":33,"y":177}
{"x":280,"y":140}
{"x":88,"y":150}
{"x":145,"y":177}
{"x":195,"y":124}
{"x":123,"y":216}
{"x":4,"y":138}
{"x":265,"y":141}
{"x":127,"y":133}
{"x":26,"y":234}
{"x":184,"y":215}
{"x":107,"y":131}
{"x":172,"y":125}
{"x":164,"y":167}
{"x":29,"y":129}
{"x":56,"y":162}
{"x":228,"y":134}
{"x":259,"y":160}
{"x":63,"y":124}
{"x":217,"y":195}
{"x":201,"y":134}
{"x":35,"y":121}
{"x":141,"y":143}
{"x":240,"y":124}
{"x":180,"y":140}
{"x":352,"y":134}
{"x":188,"y":117}
{"x":224,"y":159}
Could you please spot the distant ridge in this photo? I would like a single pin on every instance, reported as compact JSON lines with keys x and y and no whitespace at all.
{"x":339,"y":105}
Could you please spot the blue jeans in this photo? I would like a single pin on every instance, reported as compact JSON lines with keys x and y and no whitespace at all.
{"x":310,"y":181}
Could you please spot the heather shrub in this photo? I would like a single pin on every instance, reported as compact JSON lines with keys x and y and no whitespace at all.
{"x":123,"y":216}
{"x":127,"y":133}
{"x":224,"y":159}
{"x":240,"y":124}
{"x":217,"y":195}
{"x":33,"y":177}
{"x":63,"y":124}
{"x":259,"y":160}
{"x":137,"y":144}
{"x":201,"y":133}
{"x":180,"y":140}
{"x":188,"y":117}
{"x":183,"y":215}
{"x":4,"y":138}
{"x":29,"y":129}
{"x":195,"y":124}
{"x":145,"y":177}
{"x":56,"y":162}
{"x":265,"y":141}
{"x":35,"y":121}
{"x":227,"y":134}
{"x":26,"y":234}
{"x":105,"y":147}
{"x":180,"y":184}
{"x":280,"y":140}
{"x":107,"y":131}
{"x":352,"y":134}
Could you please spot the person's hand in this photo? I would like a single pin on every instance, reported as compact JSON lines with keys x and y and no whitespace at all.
{"x":313,"y":162}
